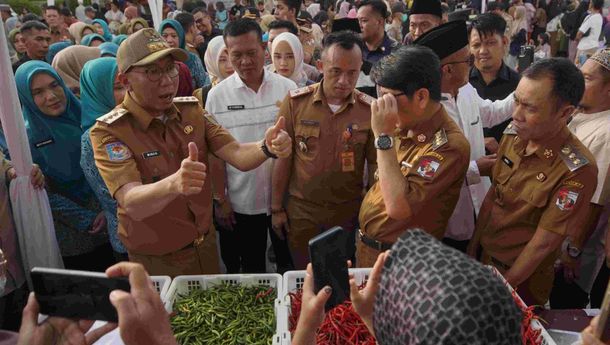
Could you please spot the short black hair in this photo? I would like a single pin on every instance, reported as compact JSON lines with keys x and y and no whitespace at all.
{"x":200,"y":9}
{"x":320,"y":18}
{"x":242,"y":26}
{"x":488,"y":24}
{"x":283,"y":24}
{"x":293,"y":5}
{"x":52,"y":8}
{"x":598,"y":4}
{"x":410,"y":68}
{"x":220,"y":5}
{"x":377,"y":6}
{"x":65,"y":12}
{"x":493,"y":5}
{"x":346,"y":39}
{"x":30,"y":17}
{"x":27,"y":28}
{"x":186,"y":20}
{"x":568,"y":81}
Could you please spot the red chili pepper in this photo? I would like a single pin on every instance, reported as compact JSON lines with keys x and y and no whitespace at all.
{"x":342,"y":325}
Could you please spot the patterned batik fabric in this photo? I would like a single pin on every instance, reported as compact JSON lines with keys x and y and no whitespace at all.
{"x":432,"y":294}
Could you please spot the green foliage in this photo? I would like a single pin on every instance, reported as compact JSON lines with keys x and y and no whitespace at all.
{"x":31,"y":6}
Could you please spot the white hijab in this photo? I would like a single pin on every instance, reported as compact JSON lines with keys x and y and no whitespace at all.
{"x":211,"y":57}
{"x":298,"y":75}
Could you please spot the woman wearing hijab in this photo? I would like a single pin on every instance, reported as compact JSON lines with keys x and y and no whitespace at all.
{"x":343,"y":10}
{"x":424,"y":293}
{"x":69,"y":63}
{"x":217,"y":64}
{"x":75,"y":31}
{"x":12,"y":23}
{"x":136,"y":25}
{"x":517,"y":35}
{"x":108,"y":49}
{"x":119,"y":39}
{"x":173,"y":34}
{"x":55,"y":48}
{"x":287,"y":57}
{"x":15,"y":39}
{"x":100,"y":93}
{"x":92,"y":40}
{"x":52,"y":117}
{"x":103,"y":29}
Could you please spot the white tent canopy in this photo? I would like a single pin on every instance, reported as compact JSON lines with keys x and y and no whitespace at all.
{"x":31,"y":209}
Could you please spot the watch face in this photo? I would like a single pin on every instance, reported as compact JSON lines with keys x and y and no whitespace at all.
{"x":384,"y":142}
{"x":573,"y":252}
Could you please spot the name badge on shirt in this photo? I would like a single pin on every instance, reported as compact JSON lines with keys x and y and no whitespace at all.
{"x":310,"y":123}
{"x":44,"y":143}
{"x":151,"y":154}
{"x":236,"y":107}
{"x":507,"y":161}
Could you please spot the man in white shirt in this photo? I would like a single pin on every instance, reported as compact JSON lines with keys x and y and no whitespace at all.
{"x":591,"y":125}
{"x":589,"y":32}
{"x":245,"y":104}
{"x":462,"y":102}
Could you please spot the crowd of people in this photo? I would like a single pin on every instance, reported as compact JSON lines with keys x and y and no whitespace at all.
{"x":225,"y":139}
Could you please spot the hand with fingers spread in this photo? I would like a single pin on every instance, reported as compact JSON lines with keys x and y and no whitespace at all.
{"x":384,"y":115}
{"x":364,"y":300}
{"x":277,"y":139}
{"x":142,"y":317}
{"x":312,"y":311}
{"x":56,"y":330}
{"x":190,"y":178}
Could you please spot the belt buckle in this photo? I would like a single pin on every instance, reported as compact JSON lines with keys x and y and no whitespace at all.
{"x":198,"y":241}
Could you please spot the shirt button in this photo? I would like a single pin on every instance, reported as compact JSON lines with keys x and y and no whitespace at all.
{"x":171,"y":154}
{"x":156,"y":170}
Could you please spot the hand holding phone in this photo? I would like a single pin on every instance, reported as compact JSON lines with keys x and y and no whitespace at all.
{"x":76,"y":294}
{"x":328,"y":253}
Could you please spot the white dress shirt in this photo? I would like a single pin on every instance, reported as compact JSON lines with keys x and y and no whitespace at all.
{"x":247,"y":115}
{"x":593,"y":130}
{"x":472,"y":113}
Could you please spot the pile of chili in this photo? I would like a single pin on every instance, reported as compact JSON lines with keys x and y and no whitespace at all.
{"x":225,"y":314}
{"x":530,"y":336}
{"x":342,"y":325}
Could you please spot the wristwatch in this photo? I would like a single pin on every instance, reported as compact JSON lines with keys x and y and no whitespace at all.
{"x":384,"y":142}
{"x":266,"y":151}
{"x":573,"y":252}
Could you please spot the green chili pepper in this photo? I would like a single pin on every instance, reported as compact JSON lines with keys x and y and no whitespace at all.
{"x":225,"y":314}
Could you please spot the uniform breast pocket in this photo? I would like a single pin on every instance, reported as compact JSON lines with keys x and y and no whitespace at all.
{"x":155,"y":167}
{"x":307,"y":141}
{"x":360,"y":136}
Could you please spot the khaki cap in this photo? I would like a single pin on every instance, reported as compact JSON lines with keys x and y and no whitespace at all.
{"x":145,"y":47}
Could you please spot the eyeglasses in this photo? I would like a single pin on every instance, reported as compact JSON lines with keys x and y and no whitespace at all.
{"x":470,"y":61}
{"x":154,"y":74}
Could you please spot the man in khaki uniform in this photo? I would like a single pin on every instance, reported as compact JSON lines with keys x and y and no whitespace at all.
{"x":330,"y":126}
{"x":421,"y":169}
{"x":542,"y":183}
{"x":164,"y":202}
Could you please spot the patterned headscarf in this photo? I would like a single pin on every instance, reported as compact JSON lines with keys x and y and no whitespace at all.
{"x":432,"y":294}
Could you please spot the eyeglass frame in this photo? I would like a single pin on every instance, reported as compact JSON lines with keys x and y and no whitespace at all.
{"x":167,"y":72}
{"x":470,"y":61}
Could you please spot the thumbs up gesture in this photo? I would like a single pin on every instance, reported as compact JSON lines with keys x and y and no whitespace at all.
{"x":277,"y":140}
{"x":190,"y":178}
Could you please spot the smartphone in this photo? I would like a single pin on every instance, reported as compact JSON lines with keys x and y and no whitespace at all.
{"x":76,"y":294}
{"x":526,"y":57}
{"x":603,"y":326}
{"x":328,"y":253}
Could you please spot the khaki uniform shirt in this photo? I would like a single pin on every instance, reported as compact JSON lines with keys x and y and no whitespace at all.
{"x":550,"y":189}
{"x":330,"y":148}
{"x":132,"y":146}
{"x":434,"y":157}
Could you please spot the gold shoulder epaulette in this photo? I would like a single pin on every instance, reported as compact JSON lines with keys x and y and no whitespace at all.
{"x":572,"y":158}
{"x":440,"y":139}
{"x":189,"y":99}
{"x":301,"y":91}
{"x":510,"y":129}
{"x":112,"y":116}
{"x":364,"y":98}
